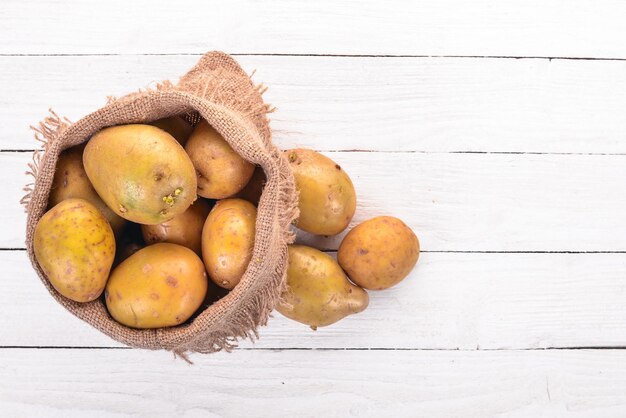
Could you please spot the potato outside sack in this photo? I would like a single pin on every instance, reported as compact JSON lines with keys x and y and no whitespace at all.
{"x":327,"y":199}
{"x":379,"y":252}
{"x":318,"y":292}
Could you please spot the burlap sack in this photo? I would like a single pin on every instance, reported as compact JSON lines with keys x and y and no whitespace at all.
{"x":218,"y":90}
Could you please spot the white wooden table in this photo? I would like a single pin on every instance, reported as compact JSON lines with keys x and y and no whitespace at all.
{"x":496,"y":129}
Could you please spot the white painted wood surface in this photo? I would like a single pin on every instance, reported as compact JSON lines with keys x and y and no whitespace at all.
{"x":78,"y":383}
{"x":571,"y":28}
{"x":511,"y":171}
{"x":393,"y":104}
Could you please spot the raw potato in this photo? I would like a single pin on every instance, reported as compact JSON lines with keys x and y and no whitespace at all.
{"x":71,"y":181}
{"x":318,"y":291}
{"x":379,"y":253}
{"x":253,"y":190}
{"x":140,"y":172}
{"x":221,"y":171}
{"x":175,"y":126}
{"x":75,"y":247}
{"x":161,"y":285}
{"x":327,"y":198}
{"x":228,"y":240}
{"x":184,"y":229}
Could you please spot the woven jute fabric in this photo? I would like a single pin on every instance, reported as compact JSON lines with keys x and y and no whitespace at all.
{"x":218,"y":90}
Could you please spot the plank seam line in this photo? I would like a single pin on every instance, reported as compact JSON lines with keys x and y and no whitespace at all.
{"x":20,"y":150}
{"x":453,"y":251}
{"x":521,"y":252}
{"x":573,"y":348}
{"x":266,"y":54}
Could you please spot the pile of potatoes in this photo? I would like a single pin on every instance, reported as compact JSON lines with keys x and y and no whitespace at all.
{"x":159,"y":220}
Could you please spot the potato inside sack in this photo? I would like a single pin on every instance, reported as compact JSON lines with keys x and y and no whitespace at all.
{"x":175,"y":126}
{"x":184,"y":229}
{"x":228,"y":241}
{"x":221,"y":172}
{"x":161,"y":285}
{"x":141,"y":172}
{"x":71,"y":181}
{"x":75,"y":247}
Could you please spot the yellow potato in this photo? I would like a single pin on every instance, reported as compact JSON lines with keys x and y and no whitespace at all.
{"x":228,"y":240}
{"x":71,"y":181}
{"x":318,"y":291}
{"x":184,"y":229}
{"x":327,"y":198}
{"x":379,"y":253}
{"x":221,"y":171}
{"x":161,"y":285}
{"x":140,"y":172}
{"x":75,"y":247}
{"x":175,"y":126}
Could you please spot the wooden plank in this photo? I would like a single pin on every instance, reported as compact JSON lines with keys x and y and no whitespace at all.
{"x":578,"y":28}
{"x":394,"y":104}
{"x":68,"y":383}
{"x":450,"y":301}
{"x":457,"y":202}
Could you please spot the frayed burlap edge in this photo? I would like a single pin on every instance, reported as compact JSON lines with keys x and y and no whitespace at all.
{"x":218,"y":90}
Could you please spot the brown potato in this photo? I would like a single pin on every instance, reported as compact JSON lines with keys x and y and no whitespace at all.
{"x":379,"y":253}
{"x":253,"y":190}
{"x":140,"y":172}
{"x":71,"y":181}
{"x":318,"y":291}
{"x":184,"y":229}
{"x":75,"y":247}
{"x":161,"y":285}
{"x":228,"y":241}
{"x":221,"y":171}
{"x":327,"y":199}
{"x":175,"y":126}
